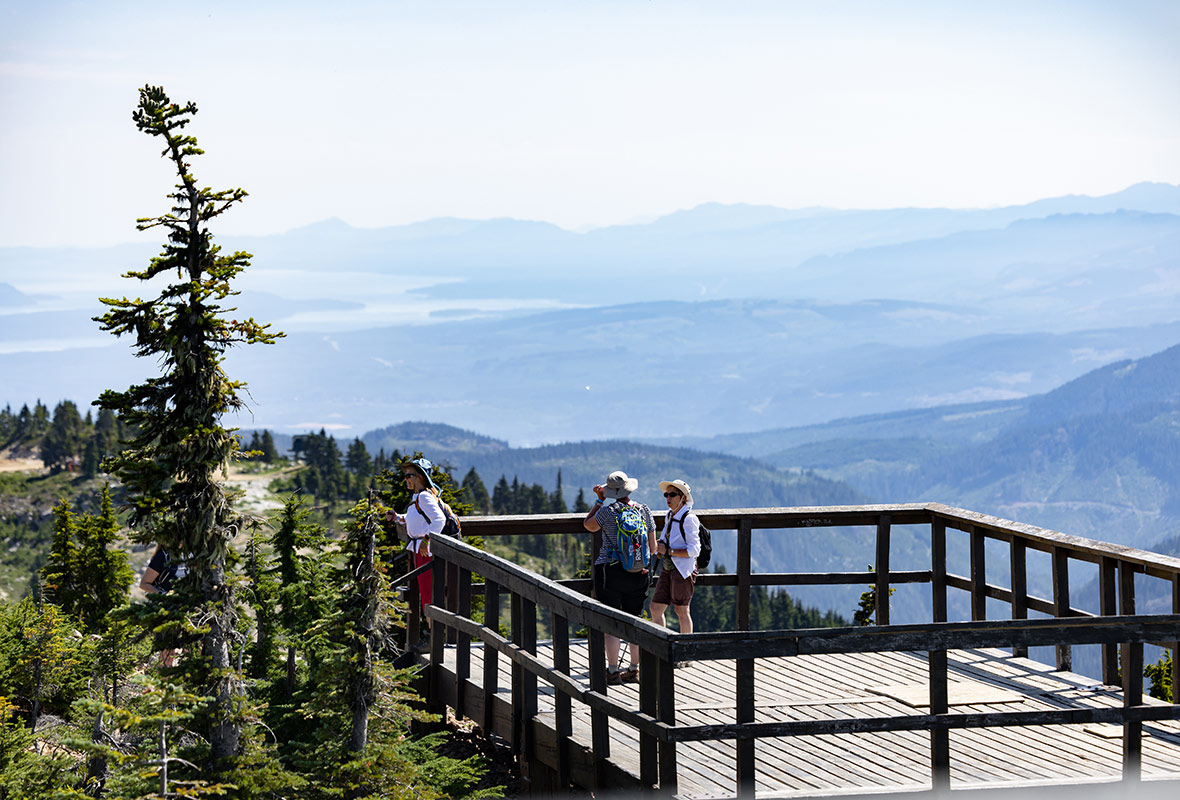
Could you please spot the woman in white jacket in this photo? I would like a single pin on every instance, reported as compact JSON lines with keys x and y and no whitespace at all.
{"x":679,"y":545}
{"x":423,"y":518}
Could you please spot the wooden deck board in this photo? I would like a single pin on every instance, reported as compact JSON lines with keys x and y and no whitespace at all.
{"x":838,"y":686}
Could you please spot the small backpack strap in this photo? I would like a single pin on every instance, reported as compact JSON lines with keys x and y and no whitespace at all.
{"x":420,"y":511}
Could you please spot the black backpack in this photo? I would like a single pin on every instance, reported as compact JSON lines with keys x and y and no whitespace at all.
{"x":706,"y":543}
{"x":451,"y":526}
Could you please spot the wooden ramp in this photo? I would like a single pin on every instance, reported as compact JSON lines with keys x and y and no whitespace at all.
{"x":814,"y":687}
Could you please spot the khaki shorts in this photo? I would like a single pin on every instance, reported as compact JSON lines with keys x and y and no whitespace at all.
{"x":674,"y":589}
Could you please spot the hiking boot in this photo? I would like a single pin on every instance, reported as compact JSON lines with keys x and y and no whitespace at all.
{"x":630,"y":674}
{"x":614,"y":676}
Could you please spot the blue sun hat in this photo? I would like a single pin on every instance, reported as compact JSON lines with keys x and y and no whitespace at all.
{"x":423,"y":466}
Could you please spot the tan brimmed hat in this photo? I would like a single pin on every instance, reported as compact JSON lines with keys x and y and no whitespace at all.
{"x":679,"y":486}
{"x":619,"y":485}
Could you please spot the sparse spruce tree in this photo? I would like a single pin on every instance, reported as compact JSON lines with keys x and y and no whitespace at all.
{"x":171,"y":465}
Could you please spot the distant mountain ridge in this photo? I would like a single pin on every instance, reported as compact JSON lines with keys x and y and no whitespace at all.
{"x":505,"y":326}
{"x":1098,"y":456}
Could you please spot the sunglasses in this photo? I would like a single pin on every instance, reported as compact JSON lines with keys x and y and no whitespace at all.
{"x":671,"y":494}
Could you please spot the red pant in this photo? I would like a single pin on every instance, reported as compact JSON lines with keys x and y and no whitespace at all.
{"x":426,"y":579}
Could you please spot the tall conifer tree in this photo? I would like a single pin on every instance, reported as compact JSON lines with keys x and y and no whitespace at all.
{"x":171,"y":465}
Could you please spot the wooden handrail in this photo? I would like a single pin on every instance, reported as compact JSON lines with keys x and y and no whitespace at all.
{"x":1117,"y":625}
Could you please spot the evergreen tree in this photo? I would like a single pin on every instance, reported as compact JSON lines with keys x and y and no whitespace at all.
{"x":502,"y":497}
{"x":170,"y":467}
{"x":557,"y":499}
{"x":580,"y":505}
{"x":65,"y":438}
{"x":475,"y":493}
{"x":24,"y":770}
{"x":39,"y":423}
{"x":358,"y":462}
{"x":270,"y":453}
{"x":105,"y":574}
{"x":60,"y":577}
{"x":302,"y":579}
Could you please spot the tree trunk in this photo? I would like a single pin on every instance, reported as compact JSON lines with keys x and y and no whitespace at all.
{"x":226,"y":730}
{"x":290,"y":671}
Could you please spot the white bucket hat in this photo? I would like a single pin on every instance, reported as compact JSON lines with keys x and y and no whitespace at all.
{"x":619,"y":485}
{"x":679,"y":486}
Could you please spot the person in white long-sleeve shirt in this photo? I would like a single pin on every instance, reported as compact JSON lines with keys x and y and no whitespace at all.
{"x":423,"y":518}
{"x":679,"y":544}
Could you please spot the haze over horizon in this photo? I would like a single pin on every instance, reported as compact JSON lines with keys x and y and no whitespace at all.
{"x":582,"y":115}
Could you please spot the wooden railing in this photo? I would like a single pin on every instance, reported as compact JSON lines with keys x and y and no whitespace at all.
{"x":567,"y":604}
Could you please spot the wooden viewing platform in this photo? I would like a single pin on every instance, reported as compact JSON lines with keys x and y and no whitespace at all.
{"x":884,"y":708}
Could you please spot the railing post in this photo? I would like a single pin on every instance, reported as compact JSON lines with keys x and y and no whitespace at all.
{"x":1108,"y":607}
{"x":1061,"y":603}
{"x":463,"y":645}
{"x":1018,"y":558}
{"x":1176,"y":645}
{"x":414,"y":602}
{"x":528,"y":685}
{"x":667,"y":712}
{"x":648,"y":704}
{"x":599,"y":723}
{"x":1132,"y":658}
{"x":883,"y":528}
{"x":517,"y":671}
{"x":940,"y":738}
{"x":744,"y":536}
{"x":563,"y":724}
{"x":745,"y":713}
{"x":938,"y":568}
{"x":491,"y":658}
{"x":452,"y":592}
{"x":438,"y":640}
{"x":978,"y":575}
{"x":1132,"y":696}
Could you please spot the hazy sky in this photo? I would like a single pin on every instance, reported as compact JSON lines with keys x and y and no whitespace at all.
{"x":579,"y":113}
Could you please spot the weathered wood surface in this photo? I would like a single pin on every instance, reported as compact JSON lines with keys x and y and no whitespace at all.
{"x":810,"y":688}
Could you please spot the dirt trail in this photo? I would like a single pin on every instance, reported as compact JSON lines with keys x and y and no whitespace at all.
{"x":257,"y":498}
{"x":21,"y":465}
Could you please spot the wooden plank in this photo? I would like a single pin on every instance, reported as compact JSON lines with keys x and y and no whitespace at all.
{"x":916,"y":722}
{"x":944,"y":636}
{"x":821,"y":578}
{"x":1045,"y":540}
{"x":817,"y":763}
